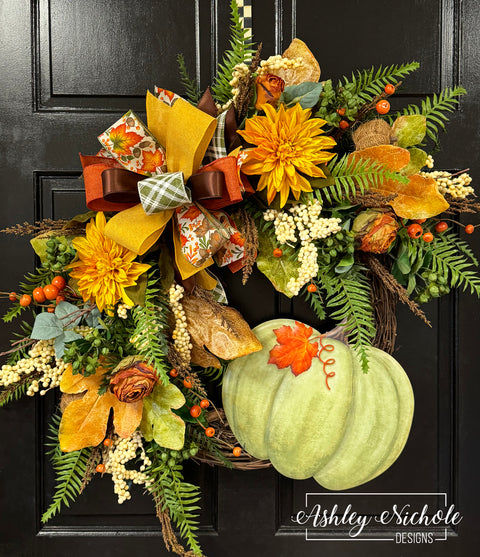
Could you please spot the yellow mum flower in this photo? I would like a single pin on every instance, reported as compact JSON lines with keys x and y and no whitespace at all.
{"x":104,"y":268}
{"x":287,"y":144}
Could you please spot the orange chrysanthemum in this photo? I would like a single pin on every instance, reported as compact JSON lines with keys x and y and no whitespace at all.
{"x":104,"y":268}
{"x":287,"y":143}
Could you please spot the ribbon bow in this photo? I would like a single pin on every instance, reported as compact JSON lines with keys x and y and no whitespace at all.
{"x":131,"y":168}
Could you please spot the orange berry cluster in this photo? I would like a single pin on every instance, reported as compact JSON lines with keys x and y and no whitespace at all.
{"x":52,"y":291}
{"x":382,"y":107}
{"x":415,"y":230}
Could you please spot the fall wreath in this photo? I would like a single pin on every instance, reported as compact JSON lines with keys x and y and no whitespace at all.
{"x":320,"y":186}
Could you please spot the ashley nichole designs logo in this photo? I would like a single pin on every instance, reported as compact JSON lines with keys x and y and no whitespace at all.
{"x":399,"y":517}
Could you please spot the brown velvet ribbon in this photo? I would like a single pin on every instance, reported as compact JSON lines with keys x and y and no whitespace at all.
{"x":120,"y":185}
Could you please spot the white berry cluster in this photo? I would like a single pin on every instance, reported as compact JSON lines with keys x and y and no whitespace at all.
{"x":41,"y":360}
{"x":277,"y":62}
{"x":122,"y":310}
{"x":430,"y":162}
{"x":457,"y":186}
{"x":123,"y":451}
{"x":305,"y":221}
{"x":180,"y":335}
{"x":307,"y":256}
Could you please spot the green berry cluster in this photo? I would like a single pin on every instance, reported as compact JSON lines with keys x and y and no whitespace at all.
{"x":335,"y":247}
{"x":58,"y":255}
{"x":435,"y":286}
{"x":171,"y":457}
{"x":340,"y":103}
{"x":84,"y":354}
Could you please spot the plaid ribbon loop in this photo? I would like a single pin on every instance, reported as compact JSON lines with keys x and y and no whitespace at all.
{"x":163,"y":192}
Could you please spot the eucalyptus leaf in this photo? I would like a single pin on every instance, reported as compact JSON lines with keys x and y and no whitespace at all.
{"x":46,"y":327}
{"x":159,"y":423}
{"x":59,"y":346}
{"x":92,"y":318}
{"x":66,"y":312}
{"x":345,"y":264}
{"x":307,"y":94}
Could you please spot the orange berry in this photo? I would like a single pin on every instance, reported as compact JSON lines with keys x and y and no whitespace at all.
{"x":311,"y":288}
{"x":50,"y":291}
{"x":173,"y":373}
{"x":419,"y":221}
{"x":469,"y":229}
{"x":187,"y":383}
{"x":414,"y":230}
{"x":441,"y":226}
{"x":59,"y":282}
{"x":344,"y":125}
{"x":277,"y":252}
{"x":100,"y":468}
{"x":341,"y":111}
{"x":237,"y":451}
{"x":382,"y":107}
{"x":195,"y":411}
{"x":209,"y":432}
{"x":12,"y":296}
{"x":108,"y":442}
{"x":25,"y":300}
{"x":427,"y":237}
{"x":59,"y":299}
{"x":204,"y":403}
{"x":38,"y":295}
{"x":389,"y":89}
{"x":50,"y":309}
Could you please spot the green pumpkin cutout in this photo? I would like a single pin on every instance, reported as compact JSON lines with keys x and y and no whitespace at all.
{"x":331,"y":422}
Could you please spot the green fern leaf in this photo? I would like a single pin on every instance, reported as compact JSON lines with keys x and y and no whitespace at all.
{"x":190,"y":85}
{"x":70,"y":469}
{"x":349,"y":296}
{"x":240,"y":51}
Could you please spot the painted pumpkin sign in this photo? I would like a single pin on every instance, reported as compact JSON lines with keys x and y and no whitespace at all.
{"x":304,"y":403}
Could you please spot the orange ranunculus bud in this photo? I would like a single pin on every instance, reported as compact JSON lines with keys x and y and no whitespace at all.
{"x":133,"y":383}
{"x":269,"y":89}
{"x":375,"y":230}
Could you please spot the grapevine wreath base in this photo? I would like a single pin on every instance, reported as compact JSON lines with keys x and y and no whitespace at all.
{"x":324,"y":189}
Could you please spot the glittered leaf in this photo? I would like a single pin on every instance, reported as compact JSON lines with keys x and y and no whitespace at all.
{"x":278,"y":270}
{"x":419,"y":199}
{"x":84,"y":421}
{"x":409,"y":130}
{"x":217,"y":330}
{"x":393,"y":157}
{"x":294,"y":348}
{"x":159,"y":422}
{"x":418,"y":159}
{"x":46,"y":327}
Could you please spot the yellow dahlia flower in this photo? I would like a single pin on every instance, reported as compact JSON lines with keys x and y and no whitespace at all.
{"x":104,"y":268}
{"x":287,"y":143}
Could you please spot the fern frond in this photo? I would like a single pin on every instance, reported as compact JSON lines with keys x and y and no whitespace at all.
{"x":151,"y":325}
{"x":315,"y":301}
{"x":214,"y":374}
{"x":370,"y":83}
{"x":190,"y":85}
{"x":462,"y":246}
{"x":70,"y":470}
{"x":434,"y":108}
{"x":240,"y":51}
{"x":350,"y":297}
{"x":177,"y":496}
{"x":448,"y":261}
{"x":354,"y":176}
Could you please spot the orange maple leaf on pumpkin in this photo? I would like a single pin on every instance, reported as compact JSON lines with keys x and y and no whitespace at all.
{"x":123,"y":141}
{"x":84,"y":421}
{"x":152,"y":161}
{"x":294,"y":348}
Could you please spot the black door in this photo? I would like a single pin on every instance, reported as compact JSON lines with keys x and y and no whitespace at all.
{"x":69,"y":68}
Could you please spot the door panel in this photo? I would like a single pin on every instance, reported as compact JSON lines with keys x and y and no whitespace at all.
{"x":71,"y":68}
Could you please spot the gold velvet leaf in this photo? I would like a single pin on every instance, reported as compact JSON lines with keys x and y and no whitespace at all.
{"x":84,"y":421}
{"x":217,"y":330}
{"x":419,"y":199}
